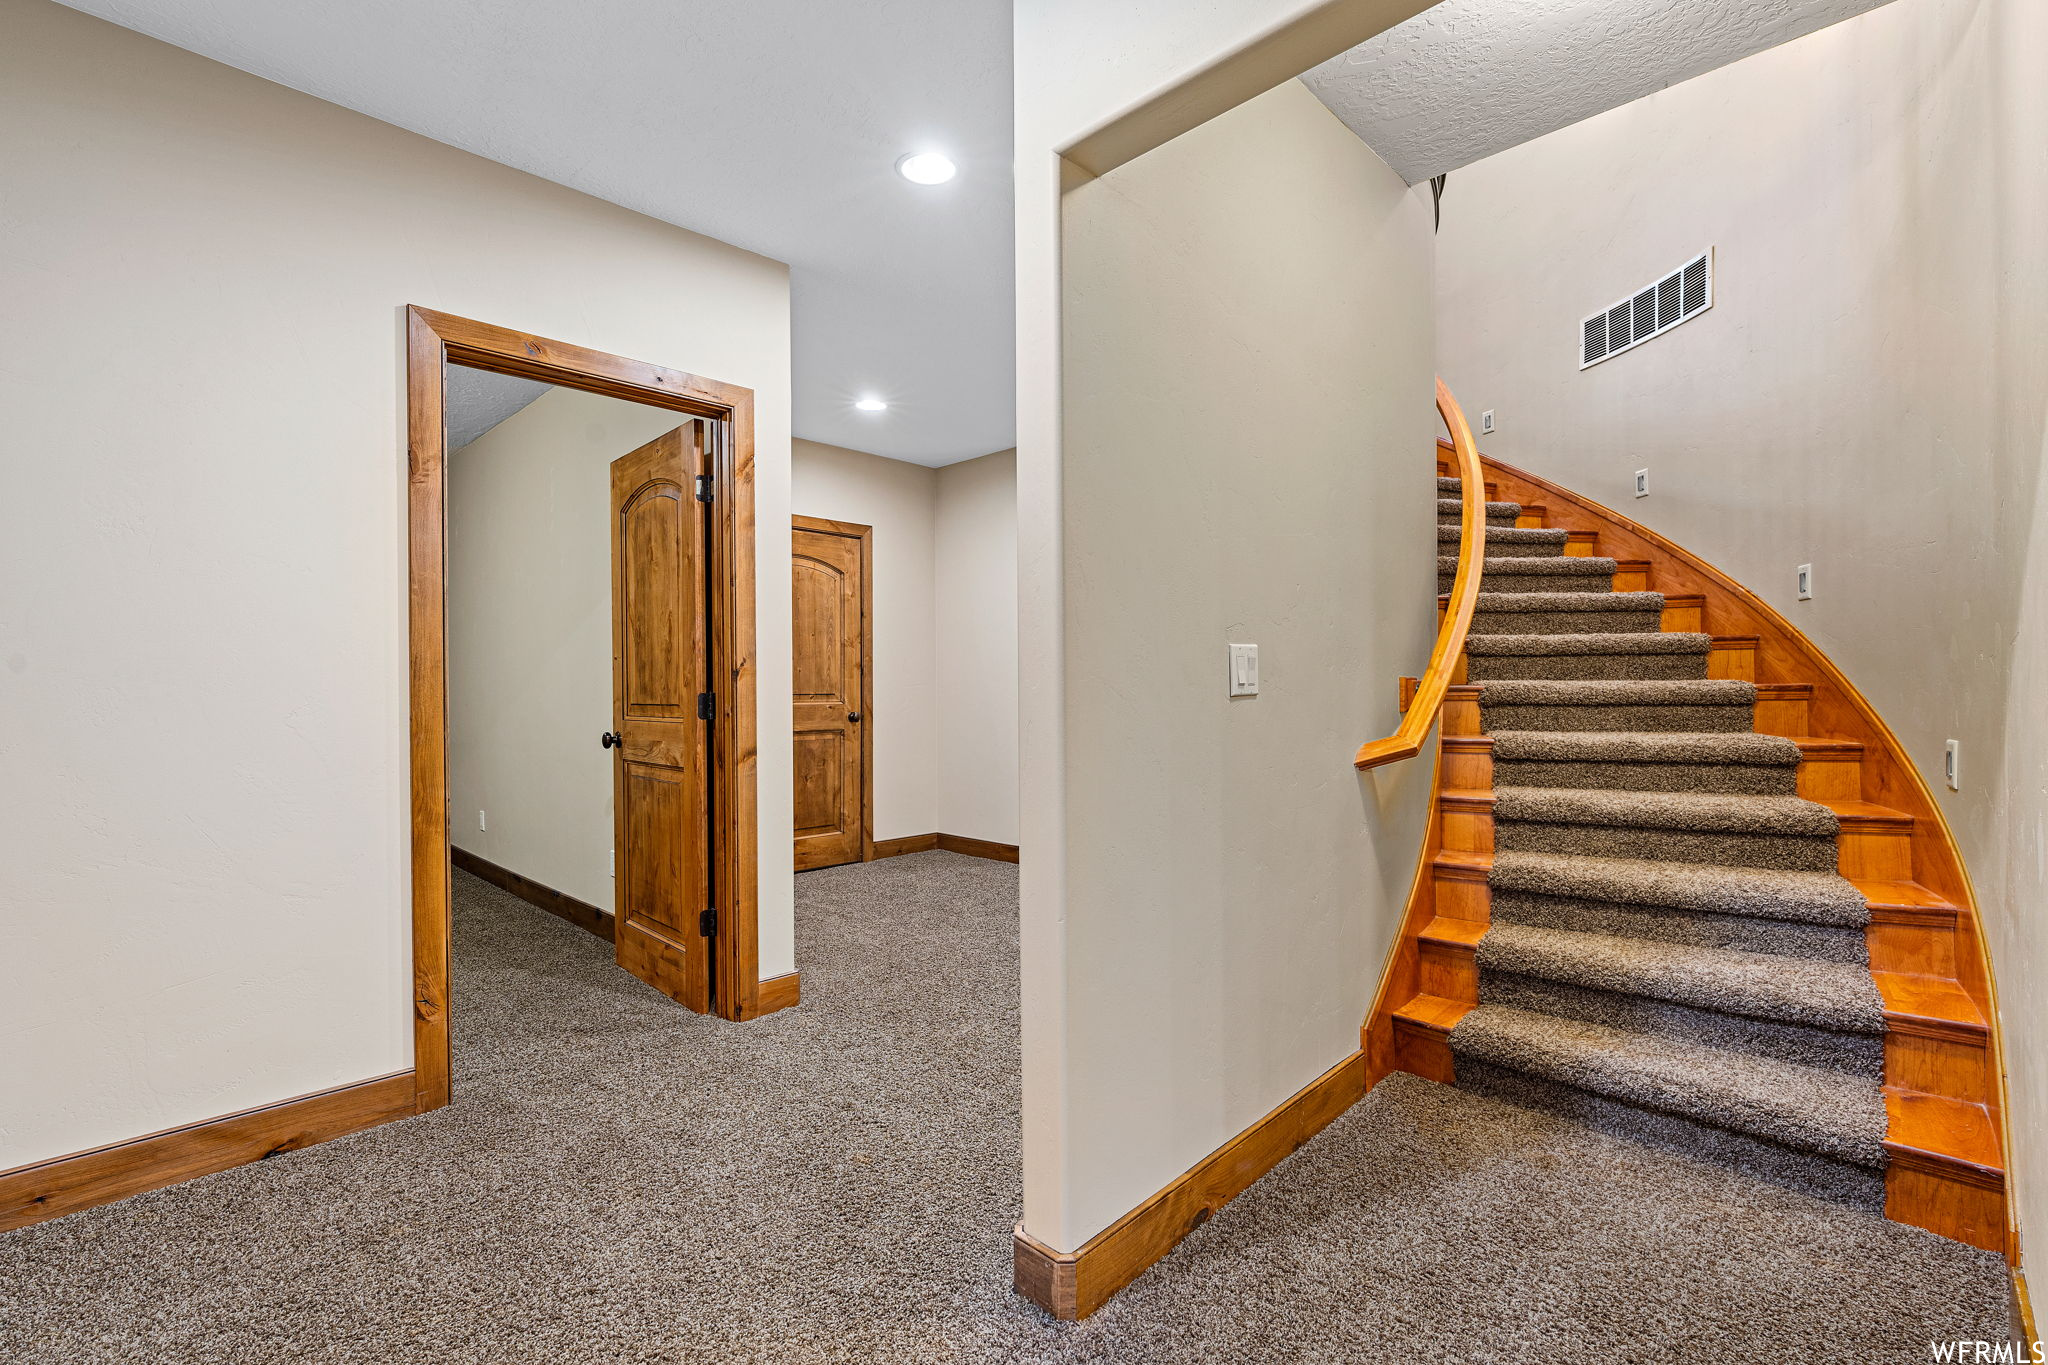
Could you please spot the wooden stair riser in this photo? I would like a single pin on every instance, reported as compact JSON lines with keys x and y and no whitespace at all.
{"x":1460,"y":714}
{"x":1877,"y":849}
{"x":1958,"y":1208}
{"x":1935,"y":1066}
{"x":1783,"y":709}
{"x":1423,"y":1052}
{"x":1446,"y":970}
{"x":1913,"y":943}
{"x":1582,"y":544}
{"x":1631,"y":575}
{"x":1732,"y":657}
{"x":1684,"y":614}
{"x":1831,"y":771}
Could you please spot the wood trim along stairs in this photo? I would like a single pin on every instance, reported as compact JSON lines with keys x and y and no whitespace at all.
{"x":1943,"y":1075}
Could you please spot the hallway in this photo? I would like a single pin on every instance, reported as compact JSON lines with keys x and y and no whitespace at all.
{"x":618,"y":1180}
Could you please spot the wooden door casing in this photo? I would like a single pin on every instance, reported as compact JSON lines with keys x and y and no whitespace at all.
{"x":661,"y":765}
{"x":831,"y":664}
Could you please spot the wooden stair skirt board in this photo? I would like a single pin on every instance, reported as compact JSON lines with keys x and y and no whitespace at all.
{"x":51,"y":1189}
{"x":582,"y":914}
{"x":1072,"y":1284}
{"x":949,"y":843}
{"x":1943,"y":1092}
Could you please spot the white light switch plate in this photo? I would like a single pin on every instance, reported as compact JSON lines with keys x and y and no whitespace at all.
{"x":1805,"y":582}
{"x":1244,"y":670}
{"x":1486,"y":421}
{"x":1642,"y":483}
{"x":1951,"y":763}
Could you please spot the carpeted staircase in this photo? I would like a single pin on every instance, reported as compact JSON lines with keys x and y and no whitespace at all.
{"x":1670,"y":952}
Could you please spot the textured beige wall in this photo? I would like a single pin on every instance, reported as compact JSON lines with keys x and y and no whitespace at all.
{"x":974,"y":557}
{"x":1248,"y":427}
{"x":530,"y":637}
{"x":899,"y":500}
{"x":202,"y":556}
{"x":1867,"y":394}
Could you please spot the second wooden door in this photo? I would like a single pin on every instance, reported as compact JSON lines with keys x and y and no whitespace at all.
{"x":829,"y":663}
{"x":661,"y":708}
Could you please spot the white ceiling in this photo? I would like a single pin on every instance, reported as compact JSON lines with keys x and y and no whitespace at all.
{"x":1468,"y":78}
{"x":478,"y":400}
{"x":771,"y":124}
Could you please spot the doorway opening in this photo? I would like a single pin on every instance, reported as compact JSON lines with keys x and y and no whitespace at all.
{"x":679,"y":544}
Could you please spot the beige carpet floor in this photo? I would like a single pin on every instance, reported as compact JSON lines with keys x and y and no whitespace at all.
{"x":621,"y":1181}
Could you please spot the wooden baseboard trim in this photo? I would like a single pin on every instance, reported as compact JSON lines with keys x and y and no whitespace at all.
{"x":978,"y":848}
{"x":66,"y":1184}
{"x":1072,"y":1284}
{"x":909,"y":843}
{"x":2022,"y":1308}
{"x":950,"y":843}
{"x":582,"y":914}
{"x":778,"y":993}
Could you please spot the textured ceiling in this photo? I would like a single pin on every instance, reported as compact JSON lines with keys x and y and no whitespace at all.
{"x":771,"y":124}
{"x":478,"y":400}
{"x":1468,"y":78}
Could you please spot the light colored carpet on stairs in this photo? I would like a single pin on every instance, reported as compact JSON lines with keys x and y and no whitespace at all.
{"x":621,"y":1181}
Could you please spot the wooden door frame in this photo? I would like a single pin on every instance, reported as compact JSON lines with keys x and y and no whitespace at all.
{"x":433,"y":341}
{"x":865,"y":535}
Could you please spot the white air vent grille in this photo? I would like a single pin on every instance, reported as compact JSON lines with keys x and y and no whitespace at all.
{"x":1679,"y":297}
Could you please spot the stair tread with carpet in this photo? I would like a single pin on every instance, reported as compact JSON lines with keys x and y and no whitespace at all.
{"x":1806,"y":1108}
{"x":1830,"y":995}
{"x":1663,"y":941}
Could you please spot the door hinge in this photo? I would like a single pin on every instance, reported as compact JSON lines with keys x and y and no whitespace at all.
{"x":703,"y":488}
{"x":707,"y":705}
{"x":707,"y":923}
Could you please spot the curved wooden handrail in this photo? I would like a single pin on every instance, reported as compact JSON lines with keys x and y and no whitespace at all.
{"x":1406,"y":742}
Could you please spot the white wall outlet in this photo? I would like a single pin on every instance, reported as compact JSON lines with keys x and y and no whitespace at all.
{"x":1951,"y":757}
{"x":1805,"y":582}
{"x":479,"y":819}
{"x":1642,"y":483}
{"x":1244,"y":670}
{"x":1486,"y":421}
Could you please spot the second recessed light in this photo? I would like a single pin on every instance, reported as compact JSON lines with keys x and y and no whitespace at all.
{"x":925,"y":168}
{"x":872,"y":405}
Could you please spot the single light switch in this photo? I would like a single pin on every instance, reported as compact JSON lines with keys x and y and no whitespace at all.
{"x":1244,"y":670}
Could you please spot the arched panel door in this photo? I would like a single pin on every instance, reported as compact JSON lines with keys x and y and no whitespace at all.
{"x":829,"y":664}
{"x":661,"y":724}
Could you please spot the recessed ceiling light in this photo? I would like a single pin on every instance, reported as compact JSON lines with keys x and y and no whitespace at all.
{"x":925,"y":168}
{"x":872,"y":405}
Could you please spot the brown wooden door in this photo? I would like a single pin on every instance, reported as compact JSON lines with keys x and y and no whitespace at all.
{"x":829,"y":613}
{"x":661,"y":764}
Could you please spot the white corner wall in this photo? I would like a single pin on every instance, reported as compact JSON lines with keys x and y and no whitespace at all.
{"x":1867,"y":394}
{"x":899,"y":500}
{"x":202,"y":556}
{"x":1248,"y":428}
{"x":530,"y":637}
{"x":974,"y":556}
